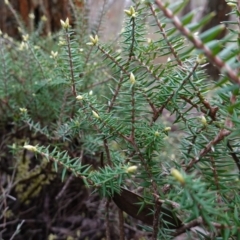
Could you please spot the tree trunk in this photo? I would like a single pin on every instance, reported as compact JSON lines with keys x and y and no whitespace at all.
{"x":30,"y":12}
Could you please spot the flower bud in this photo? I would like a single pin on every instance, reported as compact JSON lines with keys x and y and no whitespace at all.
{"x":23,"y":110}
{"x":131,"y":12}
{"x":157,"y":134}
{"x":94,"y":41}
{"x":79,"y":97}
{"x":54,"y":54}
{"x":25,"y":37}
{"x":203,"y":120}
{"x":232,"y":5}
{"x":201,"y":59}
{"x":30,"y":148}
{"x":167,"y":129}
{"x":95,"y":114}
{"x":65,"y":24}
{"x":131,"y":169}
{"x":177,"y":175}
{"x":31,"y":16}
{"x":43,"y":18}
{"x":132,"y":78}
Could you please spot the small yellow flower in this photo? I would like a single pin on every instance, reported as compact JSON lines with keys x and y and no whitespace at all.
{"x":177,"y":175}
{"x":132,"y":78}
{"x":131,"y":169}
{"x":94,"y":40}
{"x":65,"y":24}
{"x":95,"y":114}
{"x":201,"y":59}
{"x":25,"y":37}
{"x":23,"y":110}
{"x":79,"y":97}
{"x":131,"y":12}
{"x":30,"y":148}
{"x":53,"y":54}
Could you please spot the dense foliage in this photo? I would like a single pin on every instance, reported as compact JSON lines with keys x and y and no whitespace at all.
{"x":141,"y":107}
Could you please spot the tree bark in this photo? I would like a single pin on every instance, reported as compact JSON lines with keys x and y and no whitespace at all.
{"x":53,"y":10}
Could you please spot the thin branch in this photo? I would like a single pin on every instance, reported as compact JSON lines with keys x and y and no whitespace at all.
{"x":108,"y":236}
{"x":215,"y":175}
{"x":60,"y":194}
{"x":234,"y":156}
{"x":132,"y":136}
{"x":199,"y":221}
{"x":151,"y":71}
{"x":221,"y":135}
{"x":174,"y":53}
{"x":71,"y":63}
{"x":199,"y":44}
{"x":131,"y":51}
{"x":121,"y":224}
{"x":63,"y":190}
{"x":105,"y":144}
{"x":114,"y":97}
{"x":113,"y":59}
{"x":187,"y":226}
{"x":159,"y":111}
{"x":156,"y":217}
{"x":17,"y":230}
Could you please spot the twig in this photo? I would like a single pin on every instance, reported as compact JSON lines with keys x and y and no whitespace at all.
{"x":200,"y":221}
{"x":221,"y":135}
{"x":105,"y":143}
{"x":132,"y":136}
{"x":157,"y":212}
{"x":187,"y":226}
{"x":121,"y":224}
{"x":234,"y":156}
{"x":215,"y":175}
{"x":174,"y":53}
{"x":63,"y":190}
{"x":71,"y":63}
{"x":17,"y":230}
{"x":107,"y":221}
{"x":169,"y":202}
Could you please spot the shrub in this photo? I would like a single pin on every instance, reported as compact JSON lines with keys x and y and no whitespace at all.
{"x":163,"y":136}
